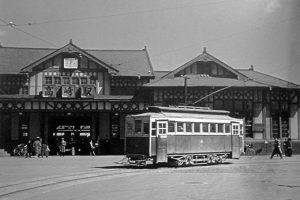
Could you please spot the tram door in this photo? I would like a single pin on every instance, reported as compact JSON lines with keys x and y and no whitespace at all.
{"x":161,"y":144}
{"x":235,"y":140}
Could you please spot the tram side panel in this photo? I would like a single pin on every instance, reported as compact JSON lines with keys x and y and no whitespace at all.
{"x":137,"y":145}
{"x":186,"y":144}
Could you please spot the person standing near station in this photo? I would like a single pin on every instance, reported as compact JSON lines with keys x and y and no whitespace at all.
{"x":62,"y":147}
{"x":92,"y":148}
{"x":276,"y":149}
{"x":37,"y":147}
{"x":289,"y":147}
{"x":29,"y":149}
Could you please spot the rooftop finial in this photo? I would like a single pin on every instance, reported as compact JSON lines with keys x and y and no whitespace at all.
{"x":204,"y":50}
{"x":71,"y":41}
{"x":251,"y":68}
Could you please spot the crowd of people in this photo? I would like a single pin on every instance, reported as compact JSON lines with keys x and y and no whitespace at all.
{"x":38,"y":148}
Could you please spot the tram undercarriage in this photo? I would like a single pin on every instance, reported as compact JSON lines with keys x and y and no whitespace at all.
{"x":175,"y":160}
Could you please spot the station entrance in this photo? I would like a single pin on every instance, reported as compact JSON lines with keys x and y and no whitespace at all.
{"x":76,"y":131}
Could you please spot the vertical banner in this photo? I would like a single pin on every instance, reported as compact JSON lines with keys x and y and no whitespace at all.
{"x":87,"y":91}
{"x":49,"y":91}
{"x":68,"y":92}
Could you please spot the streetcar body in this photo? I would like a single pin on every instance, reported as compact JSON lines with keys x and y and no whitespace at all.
{"x":182,"y":135}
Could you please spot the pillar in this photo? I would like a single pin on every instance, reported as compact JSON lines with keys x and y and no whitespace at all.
{"x":46,"y":127}
{"x":14,"y":126}
{"x":258,"y":128}
{"x":267,"y":121}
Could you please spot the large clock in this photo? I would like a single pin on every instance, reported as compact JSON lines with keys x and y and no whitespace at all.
{"x":70,"y":63}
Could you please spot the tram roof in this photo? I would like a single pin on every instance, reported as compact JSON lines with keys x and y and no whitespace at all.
{"x":187,"y":109}
{"x":172,"y":115}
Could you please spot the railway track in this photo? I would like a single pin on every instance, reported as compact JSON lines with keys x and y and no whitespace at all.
{"x":50,"y":183}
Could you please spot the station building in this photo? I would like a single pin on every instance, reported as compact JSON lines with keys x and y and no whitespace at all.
{"x":80,"y":94}
{"x":72,"y":93}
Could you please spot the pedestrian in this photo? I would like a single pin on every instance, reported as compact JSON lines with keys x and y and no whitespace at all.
{"x":62,"y":147}
{"x":29,"y":149}
{"x":92,"y":148}
{"x":37,"y":147}
{"x":285,"y":147}
{"x":289,"y":147}
{"x":45,"y":150}
{"x":276,"y":149}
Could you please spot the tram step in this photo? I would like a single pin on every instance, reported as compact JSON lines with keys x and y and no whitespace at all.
{"x":4,"y":153}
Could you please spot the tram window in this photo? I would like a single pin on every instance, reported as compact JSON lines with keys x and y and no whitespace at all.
{"x":153,"y":128}
{"x":162,"y":128}
{"x":138,"y":126}
{"x":188,"y":127}
{"x":197,"y":127}
{"x":212,"y":128}
{"x":146,"y":128}
{"x":241,"y":129}
{"x":227,"y":128}
{"x":220,"y":128}
{"x":129,"y":128}
{"x":235,"y":129}
{"x":179,"y":126}
{"x":171,"y":127}
{"x":205,"y":127}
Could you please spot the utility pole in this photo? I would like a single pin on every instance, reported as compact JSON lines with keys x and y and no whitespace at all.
{"x":185,"y":89}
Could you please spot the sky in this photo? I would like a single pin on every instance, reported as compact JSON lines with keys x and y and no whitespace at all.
{"x":241,"y":33}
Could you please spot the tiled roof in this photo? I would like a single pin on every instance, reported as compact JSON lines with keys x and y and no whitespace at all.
{"x":267,"y":79}
{"x":198,"y":81}
{"x":206,"y":57}
{"x":127,"y":62}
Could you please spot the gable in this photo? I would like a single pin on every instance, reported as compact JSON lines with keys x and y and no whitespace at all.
{"x":206,"y":65}
{"x":68,"y":57}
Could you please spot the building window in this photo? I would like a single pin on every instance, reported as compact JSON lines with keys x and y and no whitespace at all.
{"x":66,"y":80}
{"x":83,"y":81}
{"x":75,"y":80}
{"x":57,"y":80}
{"x":48,"y":80}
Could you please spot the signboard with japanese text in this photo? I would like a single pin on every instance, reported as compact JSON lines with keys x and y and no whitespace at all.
{"x":49,"y":91}
{"x":87,"y":91}
{"x":68,"y":92}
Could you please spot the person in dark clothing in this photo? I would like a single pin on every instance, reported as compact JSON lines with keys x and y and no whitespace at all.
{"x":289,"y":150}
{"x":29,"y":149}
{"x":277,"y":149}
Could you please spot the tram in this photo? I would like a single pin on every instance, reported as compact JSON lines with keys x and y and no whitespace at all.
{"x":182,"y":136}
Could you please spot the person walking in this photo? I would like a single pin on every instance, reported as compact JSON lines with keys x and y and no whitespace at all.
{"x":289,"y":150}
{"x":45,"y":150}
{"x":92,"y":148}
{"x":62,"y":147}
{"x":29,"y":149}
{"x":37,"y":147}
{"x":276,"y":149}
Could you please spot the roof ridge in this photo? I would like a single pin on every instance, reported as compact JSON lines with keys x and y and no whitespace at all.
{"x":275,"y":77}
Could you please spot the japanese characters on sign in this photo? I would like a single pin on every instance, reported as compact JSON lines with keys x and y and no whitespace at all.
{"x":68,"y":91}
{"x":49,"y":91}
{"x":87,"y":91}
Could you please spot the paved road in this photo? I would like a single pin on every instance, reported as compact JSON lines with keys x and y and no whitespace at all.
{"x":99,"y":178}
